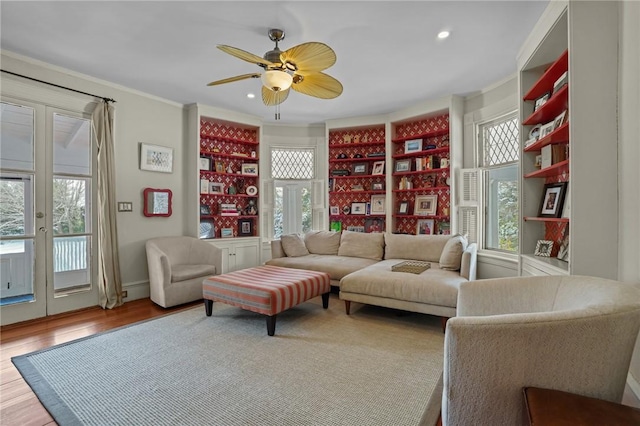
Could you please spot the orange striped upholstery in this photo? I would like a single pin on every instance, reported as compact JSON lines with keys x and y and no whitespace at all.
{"x":266,"y":289}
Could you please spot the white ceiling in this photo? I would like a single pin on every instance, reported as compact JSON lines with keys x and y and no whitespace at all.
{"x":388,"y":55}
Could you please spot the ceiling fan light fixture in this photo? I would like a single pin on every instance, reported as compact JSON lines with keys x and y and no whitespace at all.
{"x":277,"y":80}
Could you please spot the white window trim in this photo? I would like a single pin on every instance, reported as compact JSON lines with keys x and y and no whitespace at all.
{"x":512,"y":258}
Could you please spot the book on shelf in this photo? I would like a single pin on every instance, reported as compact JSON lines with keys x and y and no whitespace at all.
{"x":552,"y":154}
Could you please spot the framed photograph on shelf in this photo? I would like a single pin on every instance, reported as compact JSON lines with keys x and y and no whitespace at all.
{"x":378,"y":204}
{"x":552,"y":199}
{"x":204,"y":186}
{"x":403,"y":207}
{"x":426,"y":205}
{"x":205,"y":163}
{"x":544,"y":248}
{"x":207,"y":229}
{"x":377,"y":186}
{"x":205,"y":209}
{"x":360,"y":169}
{"x":358,"y":208}
{"x":226,"y":233}
{"x":156,"y":158}
{"x":560,"y":119}
{"x":219,"y":166}
{"x":546,"y":129}
{"x":414,"y":145}
{"x":541,"y":101}
{"x":334,"y":210}
{"x":425,"y":227}
{"x":378,"y":168}
{"x":216,"y":188}
{"x":403,"y":166}
{"x":563,"y":251}
{"x":245,"y":227}
{"x":374,"y":225}
{"x":250,"y":169}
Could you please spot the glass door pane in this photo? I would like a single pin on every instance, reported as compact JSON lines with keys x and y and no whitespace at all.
{"x":16,"y":251}
{"x":72,"y":200}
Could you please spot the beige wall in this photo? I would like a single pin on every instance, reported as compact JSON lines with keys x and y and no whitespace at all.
{"x":629,"y":157}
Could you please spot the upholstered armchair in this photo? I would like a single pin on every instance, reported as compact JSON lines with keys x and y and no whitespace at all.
{"x":177,"y":266}
{"x":570,"y":333}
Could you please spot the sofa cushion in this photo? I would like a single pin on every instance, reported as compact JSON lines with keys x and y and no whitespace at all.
{"x":336,"y":266}
{"x":293,"y":245}
{"x":414,"y":247}
{"x":451,"y":256}
{"x":186,"y":272}
{"x":322,"y":242}
{"x":434,"y":286}
{"x":359,"y":244}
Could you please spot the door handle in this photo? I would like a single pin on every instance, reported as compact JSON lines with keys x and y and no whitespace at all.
{"x":42,"y":229}
{"x":39,"y":215}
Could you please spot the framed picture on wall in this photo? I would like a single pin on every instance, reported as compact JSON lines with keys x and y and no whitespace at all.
{"x":156,"y":158}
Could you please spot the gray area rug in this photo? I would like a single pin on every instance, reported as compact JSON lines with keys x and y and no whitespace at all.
{"x":375,"y":367}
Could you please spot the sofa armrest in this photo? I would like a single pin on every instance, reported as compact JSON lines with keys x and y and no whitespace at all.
{"x":276,"y":249}
{"x":469,"y":262}
{"x":159,"y":266}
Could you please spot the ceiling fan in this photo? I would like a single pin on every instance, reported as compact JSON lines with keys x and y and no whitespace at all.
{"x":298,"y":68}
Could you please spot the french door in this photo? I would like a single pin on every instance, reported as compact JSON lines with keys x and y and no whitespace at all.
{"x":47,"y":219}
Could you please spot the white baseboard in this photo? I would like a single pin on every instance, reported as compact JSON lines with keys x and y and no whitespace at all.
{"x":634,"y":385}
{"x":136,"y":290}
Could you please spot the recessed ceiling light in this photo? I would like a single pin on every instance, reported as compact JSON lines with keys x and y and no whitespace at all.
{"x":250,"y":95}
{"x":443,"y":34}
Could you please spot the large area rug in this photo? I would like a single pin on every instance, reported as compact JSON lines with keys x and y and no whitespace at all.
{"x":375,"y":367}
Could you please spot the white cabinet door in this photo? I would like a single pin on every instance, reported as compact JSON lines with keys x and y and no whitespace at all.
{"x":246,"y":255}
{"x":240,"y":253}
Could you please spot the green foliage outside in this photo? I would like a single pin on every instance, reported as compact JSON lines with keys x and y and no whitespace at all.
{"x":508,"y":215}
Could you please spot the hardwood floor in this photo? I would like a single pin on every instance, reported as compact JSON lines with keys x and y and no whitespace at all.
{"x":20,"y":406}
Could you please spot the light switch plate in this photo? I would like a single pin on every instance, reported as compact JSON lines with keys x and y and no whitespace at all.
{"x":125,"y":206}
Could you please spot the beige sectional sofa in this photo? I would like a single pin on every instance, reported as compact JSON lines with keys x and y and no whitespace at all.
{"x":360,"y":265}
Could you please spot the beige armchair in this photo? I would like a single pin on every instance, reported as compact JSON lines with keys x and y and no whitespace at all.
{"x":570,"y":333}
{"x":177,"y":266}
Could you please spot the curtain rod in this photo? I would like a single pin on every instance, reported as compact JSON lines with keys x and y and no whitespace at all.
{"x":61,"y":87}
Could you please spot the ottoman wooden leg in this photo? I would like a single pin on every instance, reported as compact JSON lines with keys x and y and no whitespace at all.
{"x":208,"y":307}
{"x":271,"y":325}
{"x":325,"y":300}
{"x":347,"y":306}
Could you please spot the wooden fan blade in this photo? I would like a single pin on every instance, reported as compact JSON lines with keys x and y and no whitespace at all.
{"x":236,"y":78}
{"x":320,"y":85}
{"x":244,"y":55}
{"x":309,"y":58}
{"x":269,"y":97}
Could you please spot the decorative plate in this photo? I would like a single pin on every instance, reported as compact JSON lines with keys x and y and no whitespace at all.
{"x":251,"y":190}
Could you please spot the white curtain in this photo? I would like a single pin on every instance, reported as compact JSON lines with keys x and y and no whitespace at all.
{"x":109,"y":284}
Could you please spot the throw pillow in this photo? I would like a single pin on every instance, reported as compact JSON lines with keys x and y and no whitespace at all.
{"x":451,"y":256}
{"x":414,"y":247}
{"x":293,"y":245}
{"x":322,"y":242}
{"x":359,"y":244}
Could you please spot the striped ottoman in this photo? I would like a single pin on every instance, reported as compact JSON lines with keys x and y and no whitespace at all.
{"x":266,"y":290}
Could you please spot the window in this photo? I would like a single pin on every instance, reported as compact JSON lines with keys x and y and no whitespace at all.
{"x":292,"y":170}
{"x":498,"y":147}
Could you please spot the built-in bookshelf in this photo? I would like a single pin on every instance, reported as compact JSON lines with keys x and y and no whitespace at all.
{"x":356,"y":181}
{"x":569,"y":141}
{"x":228,"y":168}
{"x":421,"y":176}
